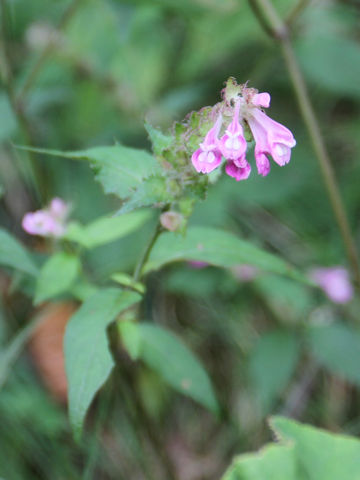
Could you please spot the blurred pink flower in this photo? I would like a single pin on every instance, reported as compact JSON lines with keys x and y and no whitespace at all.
{"x":245,"y":272}
{"x":197,"y":264}
{"x":335,"y":282}
{"x":58,"y":208}
{"x":49,"y":222}
{"x":208,"y":156}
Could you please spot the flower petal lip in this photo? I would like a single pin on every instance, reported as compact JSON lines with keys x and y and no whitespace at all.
{"x":237,"y":172}
{"x":233,"y":144}
{"x":262,"y":163}
{"x":271,"y":137}
{"x":261,"y":100}
{"x":208,"y":157}
{"x":206,"y":162}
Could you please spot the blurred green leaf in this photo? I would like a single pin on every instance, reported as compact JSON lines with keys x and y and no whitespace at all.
{"x":171,"y":359}
{"x":14,"y":255}
{"x":10,"y":353}
{"x":130,"y":335}
{"x":332,"y":62}
{"x":106,"y":229}
{"x":272,"y":364}
{"x":8,"y":120}
{"x":337,"y":348}
{"x":127,"y":281}
{"x":56,"y":276}
{"x":217,"y":248}
{"x":88,"y":360}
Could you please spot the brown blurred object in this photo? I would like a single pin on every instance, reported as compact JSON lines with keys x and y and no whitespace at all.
{"x":46,"y":347}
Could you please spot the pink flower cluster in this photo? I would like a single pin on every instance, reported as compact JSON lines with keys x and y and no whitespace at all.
{"x":271,"y":139}
{"x":49,"y":222}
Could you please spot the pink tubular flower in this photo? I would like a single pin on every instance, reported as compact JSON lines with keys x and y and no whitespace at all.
{"x":208,"y":157}
{"x":271,"y":138}
{"x":233,"y":144}
{"x":239,"y":173}
{"x":335,"y":282}
{"x":243,"y":106}
{"x":49,"y":222}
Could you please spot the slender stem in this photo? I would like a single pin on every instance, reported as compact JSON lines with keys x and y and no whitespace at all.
{"x":295,"y":12}
{"x":9,"y":83}
{"x":147,"y":251}
{"x":280,"y":32}
{"x":67,"y":15}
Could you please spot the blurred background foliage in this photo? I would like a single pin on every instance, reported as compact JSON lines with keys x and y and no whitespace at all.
{"x":89,"y":72}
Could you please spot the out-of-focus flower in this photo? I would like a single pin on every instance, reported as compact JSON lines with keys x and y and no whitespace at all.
{"x":245,"y":272}
{"x":49,"y":222}
{"x":197,"y":264}
{"x":206,"y":158}
{"x":271,"y":138}
{"x":335,"y":282}
{"x":171,"y":221}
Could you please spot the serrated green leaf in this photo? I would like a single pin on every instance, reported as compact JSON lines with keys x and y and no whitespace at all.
{"x":320,"y":455}
{"x":273,"y":462}
{"x":107,"y":229}
{"x":56,"y":276}
{"x":88,"y":360}
{"x":176,"y":364}
{"x":159,"y":140}
{"x":216,"y":247}
{"x":303,"y":452}
{"x":151,"y":192}
{"x":337,"y":348}
{"x":14,"y":255}
{"x":272,"y":364}
{"x":119,"y":169}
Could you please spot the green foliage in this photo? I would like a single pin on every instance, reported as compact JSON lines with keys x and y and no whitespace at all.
{"x":107,"y":229}
{"x":171,"y":359}
{"x":87,"y":356}
{"x":272,"y":365}
{"x":14,"y":255}
{"x":337,"y":348}
{"x":120,"y":170}
{"x":215,"y":247}
{"x":303,"y":453}
{"x":56,"y":276}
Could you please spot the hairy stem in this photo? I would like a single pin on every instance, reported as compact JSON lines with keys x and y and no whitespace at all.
{"x":143,"y":259}
{"x":280,"y":32}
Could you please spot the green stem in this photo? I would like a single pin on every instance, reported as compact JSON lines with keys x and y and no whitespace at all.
{"x":143,"y":259}
{"x":17,"y":107}
{"x":280,"y":32}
